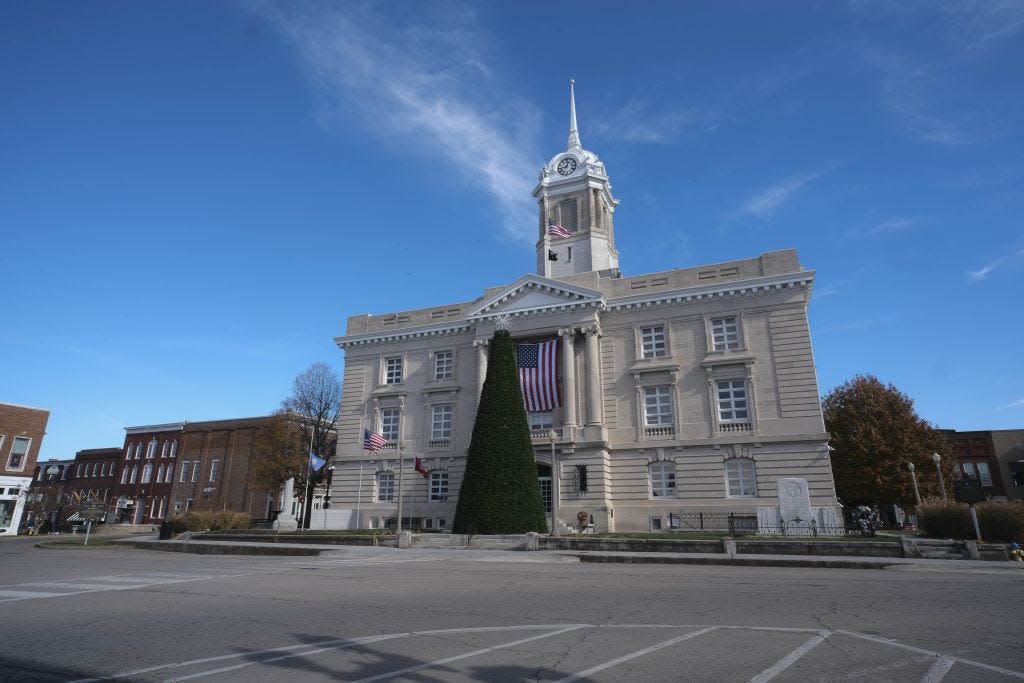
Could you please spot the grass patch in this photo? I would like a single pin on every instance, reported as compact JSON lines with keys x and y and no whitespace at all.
{"x":79,"y":542}
{"x":717,"y":536}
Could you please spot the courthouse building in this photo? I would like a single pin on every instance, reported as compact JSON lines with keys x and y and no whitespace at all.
{"x":686,"y":391}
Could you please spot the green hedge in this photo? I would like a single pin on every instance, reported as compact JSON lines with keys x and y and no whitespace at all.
{"x":209,"y":520}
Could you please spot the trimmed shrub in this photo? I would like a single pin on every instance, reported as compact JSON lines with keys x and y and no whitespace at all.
{"x":210,"y":520}
{"x":1001,"y":520}
{"x":944,"y":519}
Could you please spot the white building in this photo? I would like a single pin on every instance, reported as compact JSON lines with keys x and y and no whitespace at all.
{"x":682,"y":392}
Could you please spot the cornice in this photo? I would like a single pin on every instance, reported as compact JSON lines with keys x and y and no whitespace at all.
{"x":399,"y":335}
{"x":144,"y":429}
{"x":718,"y":290}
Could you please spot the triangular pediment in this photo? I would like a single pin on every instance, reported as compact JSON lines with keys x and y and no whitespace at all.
{"x":534,"y":294}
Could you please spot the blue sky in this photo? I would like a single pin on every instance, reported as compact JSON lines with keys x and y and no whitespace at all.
{"x":195,"y":195}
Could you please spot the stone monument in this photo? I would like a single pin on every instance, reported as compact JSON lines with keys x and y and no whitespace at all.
{"x":795,"y":507}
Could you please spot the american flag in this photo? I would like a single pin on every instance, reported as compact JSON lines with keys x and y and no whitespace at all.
{"x":538,"y":375}
{"x":373,"y":441}
{"x":557,"y":230}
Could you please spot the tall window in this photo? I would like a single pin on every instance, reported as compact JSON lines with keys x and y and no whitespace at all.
{"x":151,"y":449}
{"x":214,"y":469}
{"x":657,"y":406}
{"x":385,"y":487}
{"x":195,"y":471}
{"x":742,"y":478}
{"x":582,"y":484}
{"x":441,"y":422}
{"x":663,"y":479}
{"x":725,"y":333}
{"x":160,"y":474}
{"x":984,"y":474}
{"x":163,"y":450}
{"x":174,"y":449}
{"x":170,"y":473}
{"x":19,"y":451}
{"x":567,"y":215}
{"x":184,"y":471}
{"x":124,"y":475}
{"x":393,"y":370}
{"x":147,"y":472}
{"x":138,"y":451}
{"x":444,"y":365}
{"x":732,"y":400}
{"x":134,"y":473}
{"x":78,"y":472}
{"x":652,"y":342}
{"x":439,"y":486}
{"x":390,"y":421}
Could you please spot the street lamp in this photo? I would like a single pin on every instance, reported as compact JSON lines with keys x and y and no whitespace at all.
{"x":552,"y":435}
{"x":937,"y":459}
{"x":913,"y":476}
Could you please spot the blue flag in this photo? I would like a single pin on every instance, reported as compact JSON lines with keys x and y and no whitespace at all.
{"x":315,"y":462}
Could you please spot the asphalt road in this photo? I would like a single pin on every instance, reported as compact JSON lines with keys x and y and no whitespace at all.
{"x":380,"y":614}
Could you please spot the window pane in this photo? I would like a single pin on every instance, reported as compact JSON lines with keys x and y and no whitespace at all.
{"x":444,"y":364}
{"x":652,"y":341}
{"x":390,"y":419}
{"x":725,"y":333}
{"x":393,"y":370}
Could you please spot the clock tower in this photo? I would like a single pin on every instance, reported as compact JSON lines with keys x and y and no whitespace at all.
{"x":574,"y":198}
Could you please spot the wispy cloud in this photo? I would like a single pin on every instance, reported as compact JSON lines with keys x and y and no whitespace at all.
{"x":890,"y":226}
{"x":1019,"y":403}
{"x":640,"y":121}
{"x":422,"y":81}
{"x":766,"y":202}
{"x":986,"y":270}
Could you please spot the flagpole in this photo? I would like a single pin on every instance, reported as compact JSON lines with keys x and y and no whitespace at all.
{"x":307,"y":504}
{"x":401,"y":464}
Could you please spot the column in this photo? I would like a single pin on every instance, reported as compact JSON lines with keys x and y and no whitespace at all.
{"x":593,"y":378}
{"x":568,"y":379}
{"x":481,"y":366}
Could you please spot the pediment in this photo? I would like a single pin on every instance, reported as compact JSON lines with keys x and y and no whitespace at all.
{"x":535,"y":294}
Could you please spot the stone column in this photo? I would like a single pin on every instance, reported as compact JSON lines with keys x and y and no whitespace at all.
{"x":593,"y":378}
{"x":481,"y":361}
{"x":568,"y":379}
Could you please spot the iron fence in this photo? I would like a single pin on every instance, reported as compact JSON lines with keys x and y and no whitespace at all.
{"x":746,"y":524}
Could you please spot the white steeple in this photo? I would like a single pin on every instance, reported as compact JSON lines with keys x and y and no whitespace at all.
{"x":574,"y":193}
{"x":574,"y":135}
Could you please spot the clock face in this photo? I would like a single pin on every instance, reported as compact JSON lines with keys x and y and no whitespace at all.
{"x":566,"y":166}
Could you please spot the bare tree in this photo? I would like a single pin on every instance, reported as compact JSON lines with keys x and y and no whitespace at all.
{"x":316,"y":401}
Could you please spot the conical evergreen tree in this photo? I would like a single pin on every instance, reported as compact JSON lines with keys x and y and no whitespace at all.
{"x":499,"y":493}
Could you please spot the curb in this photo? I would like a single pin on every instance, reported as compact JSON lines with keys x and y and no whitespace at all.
{"x":222,"y":549}
{"x":823,"y":563}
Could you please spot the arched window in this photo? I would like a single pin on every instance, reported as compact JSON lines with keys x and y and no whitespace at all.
{"x":567,"y":215}
{"x":663,"y":479}
{"x":741,"y":477}
{"x":147,"y":472}
{"x":385,"y":487}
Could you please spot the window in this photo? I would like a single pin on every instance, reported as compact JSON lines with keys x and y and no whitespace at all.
{"x":195,"y":471}
{"x":19,"y":449}
{"x":64,"y":471}
{"x":732,"y":400}
{"x":393,"y":370}
{"x":151,"y":449}
{"x":78,"y":472}
{"x":134,"y":472}
{"x":663,"y":479}
{"x":655,"y":523}
{"x":441,"y":422}
{"x":385,"y":487}
{"x":160,"y":474}
{"x":138,"y":451}
{"x":124,"y":475}
{"x":567,"y":215}
{"x":439,"y":486}
{"x":174,"y":449}
{"x":742,"y":480}
{"x":657,"y":406}
{"x":543,"y":420}
{"x":178,"y":505}
{"x":725,"y":333}
{"x":580,"y":479}
{"x":163,"y":450}
{"x":444,"y":365}
{"x":985,"y":474}
{"x":103,"y":469}
{"x":147,"y":472}
{"x":652,"y":342}
{"x":113,"y":466}
{"x":390,"y":421}
{"x":184,"y":471}
{"x":170,"y":473}
{"x":968,"y":468}
{"x":214,"y":468}
{"x":163,"y":508}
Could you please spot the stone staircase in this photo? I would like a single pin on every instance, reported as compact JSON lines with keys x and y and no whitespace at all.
{"x":934,"y":549}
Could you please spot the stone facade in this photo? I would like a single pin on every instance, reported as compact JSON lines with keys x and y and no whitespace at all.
{"x":690,"y":390}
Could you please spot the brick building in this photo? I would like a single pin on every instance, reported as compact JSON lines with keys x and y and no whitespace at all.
{"x":147,"y":467}
{"x":95,"y":475}
{"x":21,"y":434}
{"x":48,"y":495}
{"x":995,"y":456}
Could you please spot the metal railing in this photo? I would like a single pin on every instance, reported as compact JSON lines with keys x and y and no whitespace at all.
{"x":746,"y":524}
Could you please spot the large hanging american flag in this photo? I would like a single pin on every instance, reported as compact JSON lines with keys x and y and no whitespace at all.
{"x":538,"y":375}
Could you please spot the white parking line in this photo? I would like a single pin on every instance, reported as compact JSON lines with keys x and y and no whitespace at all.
{"x":939,"y":670}
{"x":787,"y":661}
{"x":634,"y":655}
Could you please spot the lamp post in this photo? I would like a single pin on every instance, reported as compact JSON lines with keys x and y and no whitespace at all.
{"x":913,"y":477}
{"x":401,"y":464}
{"x":552,"y":435}
{"x":937,"y":459}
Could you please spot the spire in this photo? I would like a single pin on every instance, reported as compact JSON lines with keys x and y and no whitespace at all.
{"x":574,"y":136}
